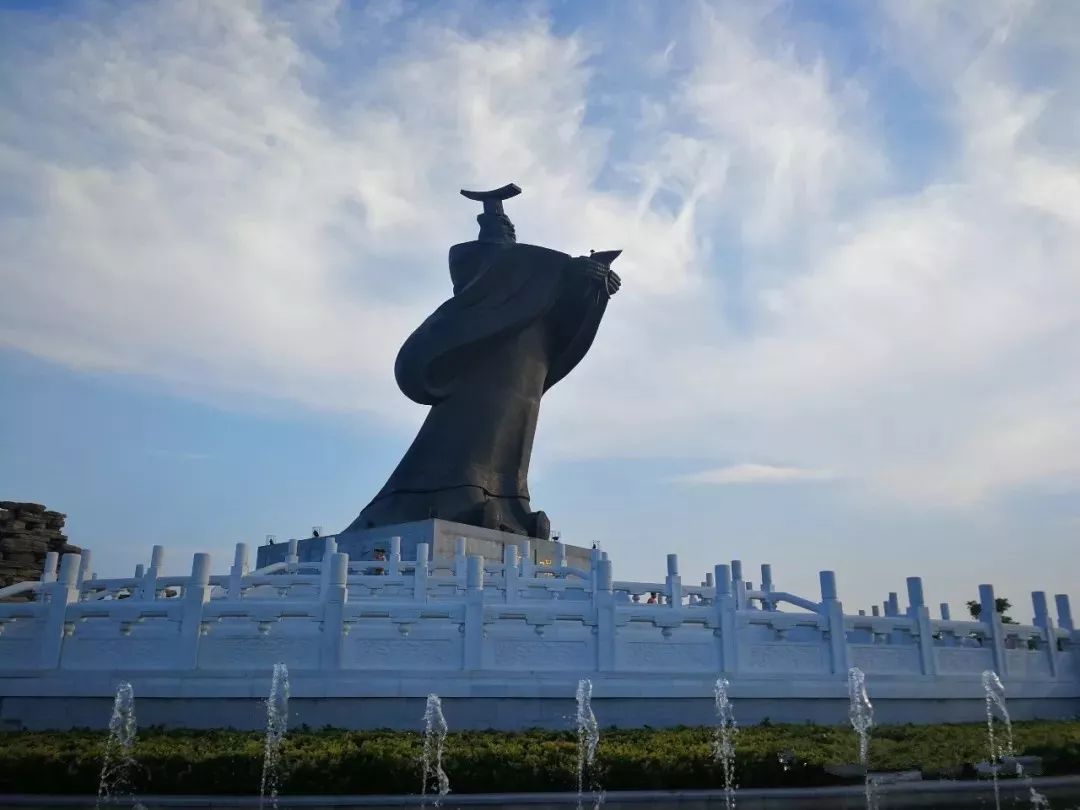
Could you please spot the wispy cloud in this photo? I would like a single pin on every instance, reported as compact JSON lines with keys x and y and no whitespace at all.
{"x":241,"y":201}
{"x":755,"y":474}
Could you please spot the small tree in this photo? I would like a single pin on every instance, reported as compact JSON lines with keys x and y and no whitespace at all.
{"x":1001,"y":604}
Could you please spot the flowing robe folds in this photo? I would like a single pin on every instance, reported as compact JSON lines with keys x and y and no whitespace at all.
{"x":520,"y":319}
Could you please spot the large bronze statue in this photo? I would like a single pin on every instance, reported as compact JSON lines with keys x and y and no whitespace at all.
{"x":520,"y":319}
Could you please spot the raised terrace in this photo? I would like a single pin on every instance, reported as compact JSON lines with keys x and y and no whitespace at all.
{"x":503,"y":642}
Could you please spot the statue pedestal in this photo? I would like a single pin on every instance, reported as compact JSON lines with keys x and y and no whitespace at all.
{"x":440,"y":535}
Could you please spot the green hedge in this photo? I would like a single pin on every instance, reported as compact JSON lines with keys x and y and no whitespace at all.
{"x":345,"y":762}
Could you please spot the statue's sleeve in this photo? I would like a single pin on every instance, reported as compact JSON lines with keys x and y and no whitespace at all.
{"x":577,"y":315}
{"x":517,"y":285}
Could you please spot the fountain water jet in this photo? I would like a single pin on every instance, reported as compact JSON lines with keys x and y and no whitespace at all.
{"x":724,"y":741}
{"x":116,"y":769}
{"x":434,"y":743}
{"x":861,"y":713}
{"x":588,"y":740}
{"x":277,"y":724}
{"x":994,"y":690}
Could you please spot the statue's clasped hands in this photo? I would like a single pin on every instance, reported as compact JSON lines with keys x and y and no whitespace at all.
{"x":601,"y":273}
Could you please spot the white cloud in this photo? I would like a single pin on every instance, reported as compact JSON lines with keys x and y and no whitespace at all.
{"x":192,"y":193}
{"x":755,"y":474}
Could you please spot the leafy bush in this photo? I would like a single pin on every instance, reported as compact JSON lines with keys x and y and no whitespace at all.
{"x":333,"y":761}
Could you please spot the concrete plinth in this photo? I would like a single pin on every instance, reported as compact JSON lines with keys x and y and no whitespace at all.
{"x":440,"y":535}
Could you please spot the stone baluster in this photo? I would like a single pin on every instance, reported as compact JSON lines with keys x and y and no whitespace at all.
{"x":510,"y":573}
{"x":1064,"y":612}
{"x":990,"y":615}
{"x":420,"y":575}
{"x":892,"y":604}
{"x":604,"y":605}
{"x":919,"y":613}
{"x":560,"y":554}
{"x":238,"y":571}
{"x":459,"y":561}
{"x":334,"y":598}
{"x":85,"y":571}
{"x":833,"y":611}
{"x":48,"y":575}
{"x":196,"y":595}
{"x":724,"y":623}
{"x":148,"y":587}
{"x":329,"y":550}
{"x":738,"y":587}
{"x":767,"y":586}
{"x":1049,"y":632}
{"x":292,"y":559}
{"x":526,"y":560}
{"x":61,"y":593}
{"x":474,"y":612}
{"x":673,"y":582}
{"x":394,"y":558}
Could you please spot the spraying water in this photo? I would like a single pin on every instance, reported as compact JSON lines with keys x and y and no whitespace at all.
{"x":277,"y":724}
{"x":994,"y":690}
{"x":116,"y":770}
{"x":861,"y":712}
{"x":588,"y":737}
{"x":434,"y":743}
{"x":724,"y":741}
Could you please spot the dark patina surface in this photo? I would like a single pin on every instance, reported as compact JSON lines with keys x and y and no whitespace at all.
{"x":521,"y":318}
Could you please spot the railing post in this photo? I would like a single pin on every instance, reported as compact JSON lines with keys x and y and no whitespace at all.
{"x":1046,"y":624}
{"x":990,"y":615}
{"x":61,"y":594}
{"x":725,"y":620}
{"x":834,"y":615}
{"x":526,"y":560}
{"x":474,"y":613}
{"x":892,"y":604}
{"x":673,"y":582}
{"x":148,"y":588}
{"x":394,"y":562}
{"x":420,"y":573}
{"x":1064,"y":612}
{"x":560,"y":554}
{"x":510,"y":573}
{"x":292,"y":559}
{"x":767,"y":586}
{"x":85,"y":572}
{"x":196,"y":595}
{"x":334,"y":597}
{"x":48,"y":573}
{"x":738,"y":587}
{"x":604,"y":605}
{"x":459,"y":561}
{"x":52,"y":564}
{"x":239,"y":571}
{"x":920,"y":614}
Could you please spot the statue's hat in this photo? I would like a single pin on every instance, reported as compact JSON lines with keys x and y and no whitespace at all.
{"x":493,"y":199}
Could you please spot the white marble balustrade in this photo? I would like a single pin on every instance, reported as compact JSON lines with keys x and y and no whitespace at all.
{"x":464,"y":615}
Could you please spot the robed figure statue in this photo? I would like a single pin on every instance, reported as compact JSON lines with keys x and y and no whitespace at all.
{"x":520,"y":319}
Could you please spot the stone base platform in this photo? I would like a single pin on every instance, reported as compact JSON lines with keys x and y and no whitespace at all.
{"x":494,"y":701}
{"x":440,"y":536}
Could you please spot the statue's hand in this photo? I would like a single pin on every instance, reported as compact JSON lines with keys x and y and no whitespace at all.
{"x":600,"y":274}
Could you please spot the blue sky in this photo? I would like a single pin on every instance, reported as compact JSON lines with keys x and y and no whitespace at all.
{"x":850,"y":326}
